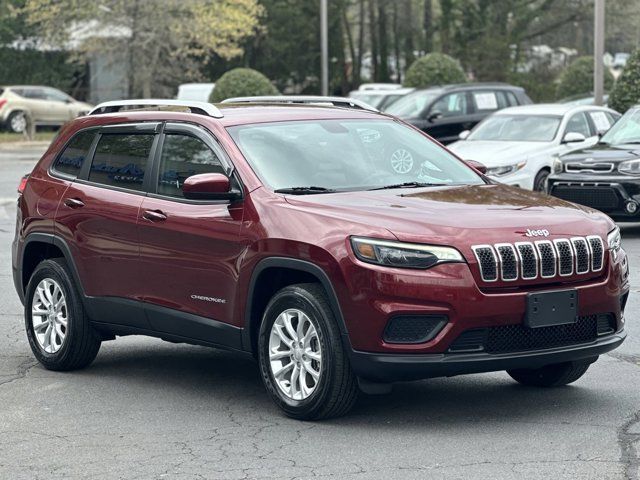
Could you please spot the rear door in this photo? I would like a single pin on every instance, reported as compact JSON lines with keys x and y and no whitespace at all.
{"x":189,"y":249}
{"x":97,"y":218}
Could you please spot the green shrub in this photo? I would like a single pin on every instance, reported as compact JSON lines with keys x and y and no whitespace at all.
{"x":577,"y":78}
{"x":626,"y":93}
{"x":434,"y":69}
{"x":242,"y":82}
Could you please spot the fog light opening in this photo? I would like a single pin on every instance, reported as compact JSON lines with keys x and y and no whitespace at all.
{"x":631,"y":206}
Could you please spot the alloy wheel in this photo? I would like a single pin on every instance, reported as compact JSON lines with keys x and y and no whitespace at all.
{"x":295,"y":355}
{"x":18,"y":122}
{"x":49,"y":315}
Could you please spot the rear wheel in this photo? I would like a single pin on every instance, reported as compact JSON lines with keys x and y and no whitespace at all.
{"x":58,"y":329}
{"x":556,"y":375}
{"x":17,"y":122}
{"x":303,"y":363}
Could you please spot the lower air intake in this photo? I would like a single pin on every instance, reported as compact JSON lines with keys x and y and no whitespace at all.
{"x":413,"y":328}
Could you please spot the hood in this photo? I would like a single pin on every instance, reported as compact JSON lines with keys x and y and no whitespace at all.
{"x":604,"y":153}
{"x":496,"y":153}
{"x":459,"y":215}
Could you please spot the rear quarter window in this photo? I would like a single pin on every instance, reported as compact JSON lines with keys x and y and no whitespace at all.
{"x":75,"y":154}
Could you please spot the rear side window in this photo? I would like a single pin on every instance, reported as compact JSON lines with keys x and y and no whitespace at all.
{"x":182,"y":157}
{"x":486,"y":101}
{"x":121,"y":160}
{"x":74,"y":155}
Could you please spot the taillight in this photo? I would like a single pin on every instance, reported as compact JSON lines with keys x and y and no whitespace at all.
{"x":2,"y":102}
{"x":23,"y":184}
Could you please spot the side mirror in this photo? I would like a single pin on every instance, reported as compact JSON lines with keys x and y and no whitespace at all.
{"x":480,"y":167}
{"x":573,"y":137}
{"x":464,"y":134}
{"x":436,"y":114}
{"x":209,"y":186}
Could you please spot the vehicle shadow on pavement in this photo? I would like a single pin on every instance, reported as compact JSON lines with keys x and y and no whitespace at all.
{"x":200,"y":376}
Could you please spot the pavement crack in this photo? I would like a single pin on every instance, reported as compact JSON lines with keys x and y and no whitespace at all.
{"x":21,"y":372}
{"x":627,"y":440}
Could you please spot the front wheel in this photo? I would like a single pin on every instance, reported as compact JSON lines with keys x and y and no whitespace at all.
{"x":556,"y":375}
{"x":540,"y":182}
{"x":303,"y":363}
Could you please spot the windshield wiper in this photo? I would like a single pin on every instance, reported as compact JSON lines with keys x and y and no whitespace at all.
{"x":304,"y":190}
{"x":409,"y":185}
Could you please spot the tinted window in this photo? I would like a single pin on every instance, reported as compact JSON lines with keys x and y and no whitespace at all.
{"x":34,"y":93}
{"x":413,"y":104}
{"x":182,"y":157}
{"x":578,"y":124}
{"x":452,"y":105}
{"x":55,"y":95}
{"x":72,"y":158}
{"x":121,"y":160}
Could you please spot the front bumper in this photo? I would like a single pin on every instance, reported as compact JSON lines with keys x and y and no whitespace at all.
{"x":607,"y":193}
{"x":387,"y":368}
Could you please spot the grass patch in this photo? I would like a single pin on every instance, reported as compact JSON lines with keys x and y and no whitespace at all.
{"x":7,"y":137}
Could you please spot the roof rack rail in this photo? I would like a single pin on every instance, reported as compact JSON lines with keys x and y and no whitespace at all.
{"x":305,"y":99}
{"x":201,"y":108}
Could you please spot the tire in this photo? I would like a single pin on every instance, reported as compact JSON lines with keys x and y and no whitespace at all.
{"x":17,"y":122}
{"x":556,"y":375}
{"x":336,"y":389}
{"x":80,"y":344}
{"x":539,"y":183}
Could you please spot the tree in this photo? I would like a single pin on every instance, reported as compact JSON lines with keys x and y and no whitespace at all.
{"x":434,"y":69}
{"x":626,"y":93}
{"x":242,"y":82}
{"x":577,"y":78}
{"x":159,"y":45}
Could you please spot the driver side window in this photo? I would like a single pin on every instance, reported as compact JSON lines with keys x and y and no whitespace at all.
{"x":451,"y":105}
{"x":578,"y":123}
{"x":182,"y":157}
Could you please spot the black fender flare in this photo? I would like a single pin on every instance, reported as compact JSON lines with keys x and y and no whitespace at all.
{"x":53,"y":240}
{"x":293,"y":264}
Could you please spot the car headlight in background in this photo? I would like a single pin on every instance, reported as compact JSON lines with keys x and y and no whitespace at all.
{"x":614,"y":241}
{"x":402,"y":255}
{"x":557,"y":166}
{"x":505,"y":170}
{"x":630,"y":166}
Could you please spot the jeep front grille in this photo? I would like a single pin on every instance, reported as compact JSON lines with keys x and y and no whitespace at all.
{"x":540,"y":259}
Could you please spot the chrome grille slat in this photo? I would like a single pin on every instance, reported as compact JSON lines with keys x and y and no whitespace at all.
{"x":544,"y":259}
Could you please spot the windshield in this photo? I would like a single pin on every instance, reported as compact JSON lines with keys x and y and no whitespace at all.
{"x":625,"y":130}
{"x":412,"y":105}
{"x":347,"y":155}
{"x":517,"y":128}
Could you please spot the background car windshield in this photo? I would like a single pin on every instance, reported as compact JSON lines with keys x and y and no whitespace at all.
{"x":517,"y":128}
{"x":411,"y":105}
{"x":626,"y":130}
{"x":347,"y":154}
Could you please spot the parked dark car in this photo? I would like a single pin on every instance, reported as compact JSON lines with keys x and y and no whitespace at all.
{"x":607,"y":175}
{"x":444,"y":112}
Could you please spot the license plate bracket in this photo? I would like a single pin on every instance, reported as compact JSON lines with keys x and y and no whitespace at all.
{"x":547,"y":309}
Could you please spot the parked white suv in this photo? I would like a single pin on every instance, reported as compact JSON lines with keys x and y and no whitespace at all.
{"x":45,"y":105}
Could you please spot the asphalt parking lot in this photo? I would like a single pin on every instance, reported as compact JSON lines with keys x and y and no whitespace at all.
{"x":148,"y":409}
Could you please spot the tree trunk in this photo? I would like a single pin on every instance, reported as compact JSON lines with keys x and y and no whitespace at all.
{"x":408,"y":46}
{"x":130,"y":49}
{"x":383,"y":71}
{"x":397,"y":41}
{"x":374,"y":40}
{"x":427,"y":25}
{"x":445,"y":24}
{"x":352,"y":48}
{"x":357,"y":68}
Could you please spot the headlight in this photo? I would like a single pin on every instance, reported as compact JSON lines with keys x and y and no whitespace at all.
{"x":630,"y":166}
{"x":505,"y":170}
{"x":614,"y":241}
{"x":403,"y":255}
{"x":557,"y":165}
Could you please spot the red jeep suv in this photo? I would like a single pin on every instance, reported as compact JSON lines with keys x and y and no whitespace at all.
{"x":342,"y":248}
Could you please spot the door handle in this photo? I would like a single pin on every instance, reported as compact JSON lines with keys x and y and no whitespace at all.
{"x":154,"y":216}
{"x":73,"y":202}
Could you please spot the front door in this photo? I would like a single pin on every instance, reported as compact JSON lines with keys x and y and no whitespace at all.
{"x":189,"y":250}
